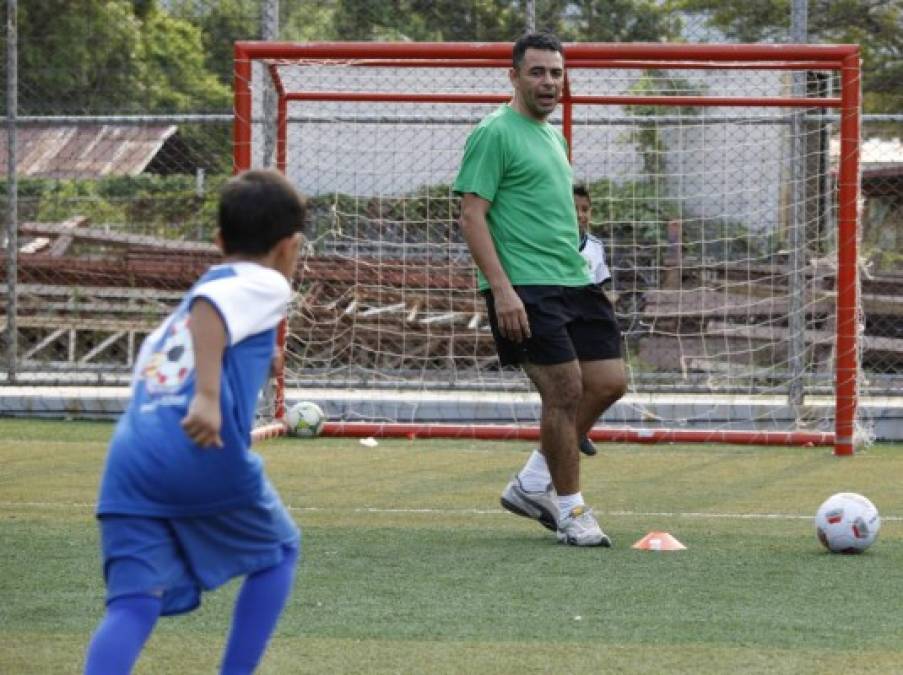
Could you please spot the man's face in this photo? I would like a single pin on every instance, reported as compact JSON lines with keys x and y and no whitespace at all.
{"x":538,"y":82}
{"x":584,"y":211}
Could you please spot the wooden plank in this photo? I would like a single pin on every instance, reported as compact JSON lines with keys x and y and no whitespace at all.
{"x":35,"y":245}
{"x":83,"y":324}
{"x":818,"y":337}
{"x":116,"y":238}
{"x":766,"y":333}
{"x":708,"y":303}
{"x":55,"y":291}
{"x":64,"y":241}
{"x":50,"y":339}
{"x":87,"y":358}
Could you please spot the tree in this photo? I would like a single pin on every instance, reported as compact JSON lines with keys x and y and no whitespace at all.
{"x":876,"y":25}
{"x":100,"y":56}
{"x":221,"y":24}
{"x":428,"y":20}
{"x":501,"y":20}
{"x":619,"y":21}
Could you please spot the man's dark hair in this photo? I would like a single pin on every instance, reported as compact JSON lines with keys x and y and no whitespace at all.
{"x":541,"y":40}
{"x":257,"y":209}
{"x":581,"y":191}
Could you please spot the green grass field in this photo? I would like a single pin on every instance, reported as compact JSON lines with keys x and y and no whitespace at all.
{"x":410,"y":565}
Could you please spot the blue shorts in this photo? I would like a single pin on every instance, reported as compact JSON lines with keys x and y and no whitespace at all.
{"x":177,"y":558}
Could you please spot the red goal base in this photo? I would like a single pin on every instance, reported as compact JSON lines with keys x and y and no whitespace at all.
{"x":530,"y":433}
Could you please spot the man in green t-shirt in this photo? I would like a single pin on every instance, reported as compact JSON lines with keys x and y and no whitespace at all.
{"x":520,"y":224}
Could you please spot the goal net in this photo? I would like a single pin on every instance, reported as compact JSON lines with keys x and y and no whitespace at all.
{"x":730,"y":233}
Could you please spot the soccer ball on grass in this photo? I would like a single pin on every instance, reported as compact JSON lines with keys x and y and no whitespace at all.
{"x":305,"y":419}
{"x":847,"y":523}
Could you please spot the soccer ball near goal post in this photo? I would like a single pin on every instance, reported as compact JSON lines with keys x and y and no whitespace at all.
{"x":305,"y":419}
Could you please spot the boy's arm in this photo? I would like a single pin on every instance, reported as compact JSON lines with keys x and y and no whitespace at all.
{"x":512,"y":317}
{"x":208,"y":334}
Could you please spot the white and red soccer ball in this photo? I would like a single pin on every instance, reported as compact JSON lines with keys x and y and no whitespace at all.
{"x":847,"y":523}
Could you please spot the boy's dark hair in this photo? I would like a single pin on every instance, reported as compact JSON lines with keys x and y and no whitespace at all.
{"x":541,"y":40}
{"x":581,"y":191}
{"x":257,"y":209}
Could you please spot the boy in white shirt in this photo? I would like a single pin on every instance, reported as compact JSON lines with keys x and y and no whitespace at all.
{"x":593,"y":250}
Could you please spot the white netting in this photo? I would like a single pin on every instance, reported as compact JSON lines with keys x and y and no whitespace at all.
{"x":718,"y":221}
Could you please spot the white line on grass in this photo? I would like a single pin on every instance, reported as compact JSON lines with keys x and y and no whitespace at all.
{"x":480,"y":512}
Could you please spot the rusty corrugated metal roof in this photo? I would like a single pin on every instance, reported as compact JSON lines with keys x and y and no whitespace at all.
{"x":85,"y":151}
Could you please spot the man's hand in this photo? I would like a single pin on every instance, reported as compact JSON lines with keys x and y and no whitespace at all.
{"x":203,"y":421}
{"x":512,"y":317}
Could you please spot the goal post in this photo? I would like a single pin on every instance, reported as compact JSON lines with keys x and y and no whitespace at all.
{"x":734,"y":276}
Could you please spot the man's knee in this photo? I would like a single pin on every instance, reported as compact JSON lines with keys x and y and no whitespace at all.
{"x":565,"y":396}
{"x":560,"y":386}
{"x":614,"y":390}
{"x":605,"y":384}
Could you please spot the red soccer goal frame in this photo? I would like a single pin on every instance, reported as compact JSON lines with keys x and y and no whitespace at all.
{"x":841,"y":58}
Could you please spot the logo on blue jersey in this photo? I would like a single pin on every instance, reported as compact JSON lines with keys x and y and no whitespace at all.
{"x":172,"y":360}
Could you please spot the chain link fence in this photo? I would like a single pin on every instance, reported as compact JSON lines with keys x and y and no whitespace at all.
{"x":119,"y":129}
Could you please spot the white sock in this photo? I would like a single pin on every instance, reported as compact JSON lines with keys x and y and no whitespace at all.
{"x":567,"y":503}
{"x":534,"y":477}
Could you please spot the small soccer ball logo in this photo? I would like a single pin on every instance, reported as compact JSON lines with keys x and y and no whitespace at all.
{"x":305,"y":419}
{"x":847,"y":523}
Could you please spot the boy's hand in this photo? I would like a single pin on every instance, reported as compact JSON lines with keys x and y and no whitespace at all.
{"x":203,"y":421}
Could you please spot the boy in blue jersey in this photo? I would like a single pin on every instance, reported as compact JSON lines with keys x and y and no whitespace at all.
{"x":184,"y":504}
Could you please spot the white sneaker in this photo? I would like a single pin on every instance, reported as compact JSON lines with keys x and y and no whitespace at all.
{"x":579,"y":528}
{"x":541,"y":506}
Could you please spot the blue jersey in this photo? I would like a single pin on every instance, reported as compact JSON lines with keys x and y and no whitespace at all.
{"x":153,"y":468}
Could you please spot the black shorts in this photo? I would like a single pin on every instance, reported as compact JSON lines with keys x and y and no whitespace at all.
{"x":566,"y":323}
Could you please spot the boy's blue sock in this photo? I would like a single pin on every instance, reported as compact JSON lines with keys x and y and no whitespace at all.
{"x":259,"y":603}
{"x":118,"y":640}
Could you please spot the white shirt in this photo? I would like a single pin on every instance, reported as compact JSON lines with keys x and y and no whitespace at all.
{"x":593,"y":250}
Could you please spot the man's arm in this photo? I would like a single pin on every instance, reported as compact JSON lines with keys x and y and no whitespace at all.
{"x":208,"y":334}
{"x":512,"y":318}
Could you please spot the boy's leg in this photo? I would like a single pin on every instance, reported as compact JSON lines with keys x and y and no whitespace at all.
{"x":260,"y":602}
{"x":118,"y":640}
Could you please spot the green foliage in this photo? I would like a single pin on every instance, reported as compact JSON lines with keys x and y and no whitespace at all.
{"x":502,"y":20}
{"x":308,"y":21}
{"x":647,"y":137}
{"x":221,"y":24}
{"x":635,"y":215}
{"x":876,"y":26}
{"x":635,"y":209}
{"x":442,"y":20}
{"x":147,"y":56}
{"x":427,"y":212}
{"x":617,"y":21}
{"x":172,"y":72}
{"x":97,"y":56}
{"x":166,"y":206}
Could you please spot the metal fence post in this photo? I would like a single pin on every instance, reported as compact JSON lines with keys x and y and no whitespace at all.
{"x":797,"y":314}
{"x":12,"y":189}
{"x":269,"y":30}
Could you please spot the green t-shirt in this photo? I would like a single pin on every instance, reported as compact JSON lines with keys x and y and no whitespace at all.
{"x":521,"y":167}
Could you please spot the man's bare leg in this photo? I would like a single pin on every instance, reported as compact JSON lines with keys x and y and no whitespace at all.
{"x":560,"y":389}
